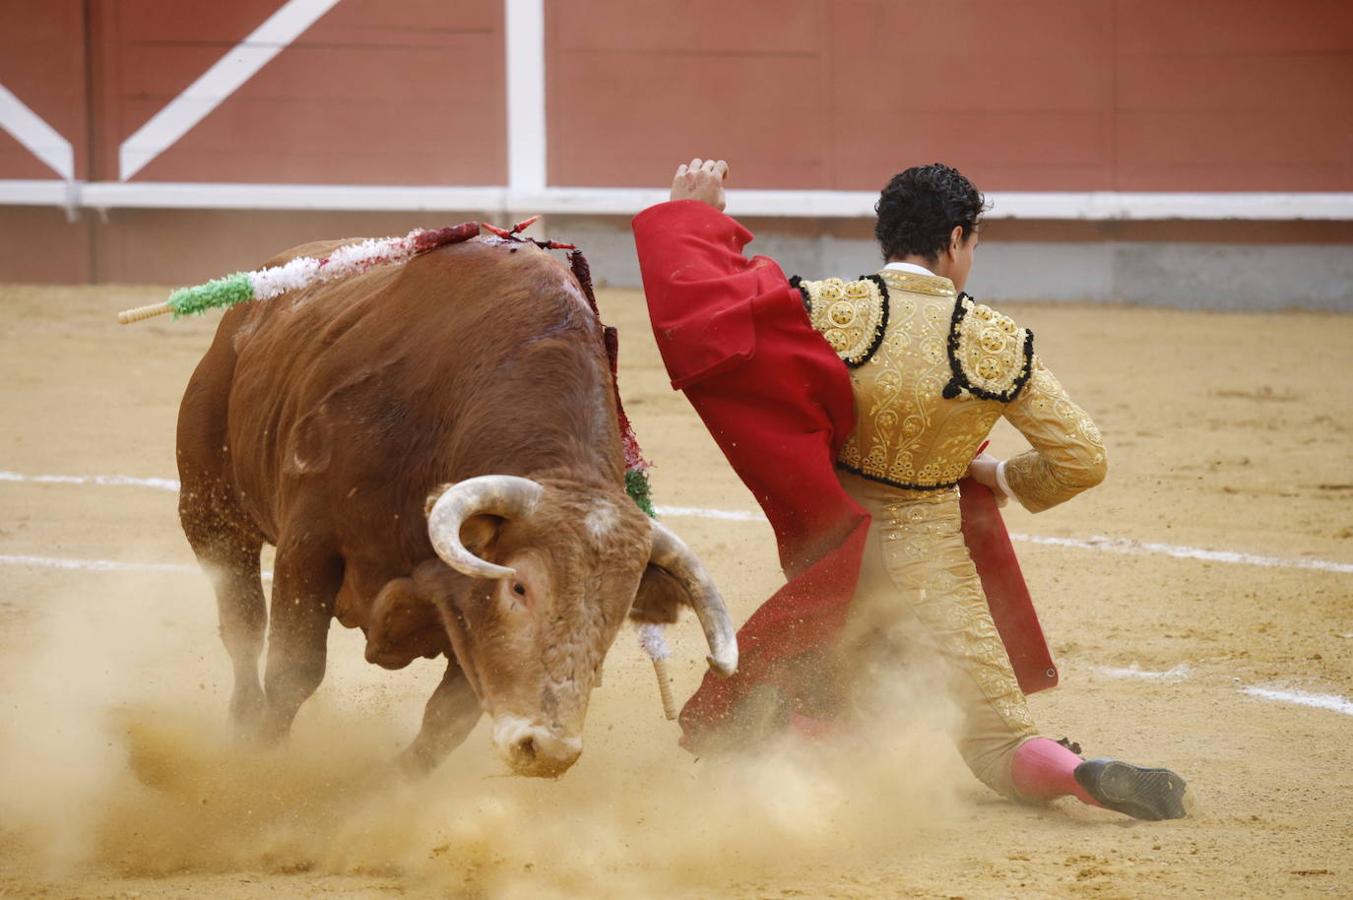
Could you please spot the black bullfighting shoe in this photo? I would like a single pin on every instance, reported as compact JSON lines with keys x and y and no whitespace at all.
{"x":1135,"y":791}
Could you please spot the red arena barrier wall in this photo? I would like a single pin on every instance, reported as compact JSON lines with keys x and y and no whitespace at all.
{"x":42,"y":62}
{"x":371,"y":93}
{"x":121,"y":118}
{"x":1040,"y":95}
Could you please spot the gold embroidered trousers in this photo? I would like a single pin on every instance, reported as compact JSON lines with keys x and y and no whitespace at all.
{"x":920,"y":600}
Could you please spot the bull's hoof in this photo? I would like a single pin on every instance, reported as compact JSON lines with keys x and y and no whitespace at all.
{"x":270,"y":728}
{"x":418,"y":760}
{"x":246,"y":710}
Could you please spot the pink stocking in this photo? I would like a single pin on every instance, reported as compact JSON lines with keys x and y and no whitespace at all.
{"x":1044,"y":770}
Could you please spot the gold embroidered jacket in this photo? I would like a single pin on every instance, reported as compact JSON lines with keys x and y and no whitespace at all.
{"x":933,"y":371}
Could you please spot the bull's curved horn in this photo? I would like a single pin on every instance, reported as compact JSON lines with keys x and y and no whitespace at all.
{"x":672,"y":554}
{"x":500,"y":495}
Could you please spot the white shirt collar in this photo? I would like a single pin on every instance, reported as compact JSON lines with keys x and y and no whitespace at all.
{"x":909,"y":267}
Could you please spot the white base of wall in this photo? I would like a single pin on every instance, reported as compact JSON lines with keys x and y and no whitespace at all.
{"x":1186,"y":275}
{"x":506,"y":202}
{"x":1239,"y":277}
{"x":1222,"y":266}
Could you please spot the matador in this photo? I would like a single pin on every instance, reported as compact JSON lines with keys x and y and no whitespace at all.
{"x":852,"y":409}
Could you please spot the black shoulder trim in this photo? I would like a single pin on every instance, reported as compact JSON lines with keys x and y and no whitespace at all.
{"x":959,"y":380}
{"x":797,"y":284}
{"x":880,"y":331}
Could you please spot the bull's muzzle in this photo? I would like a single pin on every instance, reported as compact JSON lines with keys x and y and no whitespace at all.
{"x":534,"y":750}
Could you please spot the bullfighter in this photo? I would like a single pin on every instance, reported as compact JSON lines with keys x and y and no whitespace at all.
{"x":852,"y":410}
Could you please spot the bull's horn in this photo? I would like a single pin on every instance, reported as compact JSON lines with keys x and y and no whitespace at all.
{"x":672,"y":554}
{"x":498,"y":495}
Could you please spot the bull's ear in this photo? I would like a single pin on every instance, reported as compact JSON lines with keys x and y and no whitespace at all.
{"x":658,"y":597}
{"x":479,"y":533}
{"x":435,"y":581}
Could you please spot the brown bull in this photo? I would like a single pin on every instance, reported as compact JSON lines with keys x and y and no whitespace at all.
{"x":433,"y":449}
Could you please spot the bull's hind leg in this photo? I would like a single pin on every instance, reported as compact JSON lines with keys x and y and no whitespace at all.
{"x":226,"y":541}
{"x":243,"y":616}
{"x":448,"y":719}
{"x":230,"y":560}
{"x":306,"y":578}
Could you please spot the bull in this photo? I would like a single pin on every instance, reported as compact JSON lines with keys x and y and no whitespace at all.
{"x":433,"y":450}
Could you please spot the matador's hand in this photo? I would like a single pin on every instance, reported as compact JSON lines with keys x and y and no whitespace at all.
{"x":701,"y":180}
{"x":984,"y":470}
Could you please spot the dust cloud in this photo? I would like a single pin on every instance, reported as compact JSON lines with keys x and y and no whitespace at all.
{"x":114,"y":754}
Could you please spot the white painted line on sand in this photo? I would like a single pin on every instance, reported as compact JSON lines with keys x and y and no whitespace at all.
{"x":1174,"y":673}
{"x":1123,"y":546}
{"x":1136,"y":548}
{"x":1181,"y":672}
{"x":696,"y":512}
{"x":102,"y":565}
{"x":159,"y":484}
{"x":92,"y":565}
{"x":1332,"y":702}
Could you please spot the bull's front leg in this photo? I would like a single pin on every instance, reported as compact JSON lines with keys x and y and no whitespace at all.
{"x":450,"y":716}
{"x":306,"y":579}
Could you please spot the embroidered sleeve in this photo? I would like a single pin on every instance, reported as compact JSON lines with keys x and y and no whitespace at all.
{"x":851,"y":315}
{"x":1068,"y":452}
{"x":989,"y":355}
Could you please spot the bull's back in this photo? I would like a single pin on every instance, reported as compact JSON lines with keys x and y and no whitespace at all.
{"x":351,"y":399}
{"x":202,"y":441}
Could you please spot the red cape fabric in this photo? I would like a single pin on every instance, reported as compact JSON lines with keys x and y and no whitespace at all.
{"x":1012,"y":608}
{"x":779,"y":403}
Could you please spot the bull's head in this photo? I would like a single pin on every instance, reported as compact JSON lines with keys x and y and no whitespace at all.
{"x":552,"y":569}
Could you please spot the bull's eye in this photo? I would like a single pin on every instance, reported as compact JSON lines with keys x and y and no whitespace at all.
{"x":519,"y":589}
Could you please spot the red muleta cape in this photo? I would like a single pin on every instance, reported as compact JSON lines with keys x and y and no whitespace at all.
{"x":779,"y":403}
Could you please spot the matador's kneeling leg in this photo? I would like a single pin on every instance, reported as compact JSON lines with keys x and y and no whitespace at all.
{"x":1044,"y":769}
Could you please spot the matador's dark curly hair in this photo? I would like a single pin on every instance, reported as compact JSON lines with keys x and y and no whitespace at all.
{"x":920,"y":207}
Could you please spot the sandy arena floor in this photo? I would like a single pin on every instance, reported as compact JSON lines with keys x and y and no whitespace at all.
{"x":1226,"y":433}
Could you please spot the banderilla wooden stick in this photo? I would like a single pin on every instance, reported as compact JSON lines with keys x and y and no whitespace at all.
{"x":137,"y":314}
{"x":655,"y":645}
{"x":665,"y":688}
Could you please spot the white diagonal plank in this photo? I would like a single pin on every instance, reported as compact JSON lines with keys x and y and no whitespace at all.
{"x":41,"y":139}
{"x":217,"y":84}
